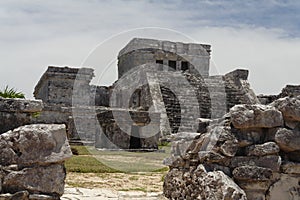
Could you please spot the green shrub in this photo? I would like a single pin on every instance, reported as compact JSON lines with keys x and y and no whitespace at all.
{"x":11,"y":93}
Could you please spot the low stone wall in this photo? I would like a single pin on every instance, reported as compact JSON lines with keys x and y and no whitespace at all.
{"x":287,"y":91}
{"x":32,"y":162}
{"x":18,"y":112}
{"x":124,"y":129}
{"x":253,"y":153}
{"x":53,"y":114}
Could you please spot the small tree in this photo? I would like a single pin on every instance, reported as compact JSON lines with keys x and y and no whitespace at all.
{"x":11,"y":93}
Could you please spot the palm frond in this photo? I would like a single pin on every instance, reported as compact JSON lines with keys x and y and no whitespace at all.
{"x":11,"y":93}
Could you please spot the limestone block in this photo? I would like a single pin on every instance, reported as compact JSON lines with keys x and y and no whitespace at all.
{"x":47,"y":180}
{"x":254,"y":185}
{"x":268,"y":148}
{"x":20,"y":105}
{"x":255,"y":116}
{"x":18,"y":112}
{"x":216,"y":167}
{"x":272,"y":162}
{"x":200,"y":184}
{"x":288,"y":140}
{"x":247,"y":137}
{"x":292,"y":124}
{"x":41,"y":197}
{"x":213,"y":157}
{"x":35,"y":144}
{"x":180,"y":147}
{"x":291,"y":168}
{"x":290,"y":108}
{"x":229,"y":148}
{"x":250,"y":173}
{"x":287,"y":187}
{"x":217,"y":185}
{"x":21,"y":195}
{"x":255,"y":195}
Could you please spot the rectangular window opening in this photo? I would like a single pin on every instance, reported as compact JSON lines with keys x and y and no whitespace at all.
{"x":159,"y":61}
{"x":184,"y":65}
{"x":172,"y":64}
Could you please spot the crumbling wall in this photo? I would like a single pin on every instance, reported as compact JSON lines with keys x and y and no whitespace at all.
{"x":126,"y":131}
{"x":56,"y":89}
{"x":238,"y":89}
{"x":101,"y":95}
{"x":290,"y":91}
{"x":56,"y":86}
{"x":287,"y":91}
{"x":32,"y":162}
{"x":252,"y":153}
{"x":18,"y":112}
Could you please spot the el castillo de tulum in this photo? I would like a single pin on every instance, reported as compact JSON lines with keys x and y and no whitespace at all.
{"x":212,"y":136}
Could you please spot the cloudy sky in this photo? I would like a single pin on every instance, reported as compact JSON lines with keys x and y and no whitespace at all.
{"x":262,"y":36}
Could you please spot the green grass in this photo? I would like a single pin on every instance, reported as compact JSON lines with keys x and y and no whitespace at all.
{"x":87,"y":164}
{"x":133,"y":178}
{"x":81,"y":150}
{"x":164,"y":169}
{"x":90,"y":160}
{"x":162,"y":145}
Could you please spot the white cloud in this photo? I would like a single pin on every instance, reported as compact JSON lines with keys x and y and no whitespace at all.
{"x":273,"y":61}
{"x":34,"y":35}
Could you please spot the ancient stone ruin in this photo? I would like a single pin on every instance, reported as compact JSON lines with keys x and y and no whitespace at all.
{"x":227,"y":143}
{"x":251,"y":153}
{"x":32,"y":162}
{"x":176,"y":92}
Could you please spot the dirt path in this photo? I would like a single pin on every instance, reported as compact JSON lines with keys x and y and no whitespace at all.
{"x":145,"y":182}
{"x":146,"y":186}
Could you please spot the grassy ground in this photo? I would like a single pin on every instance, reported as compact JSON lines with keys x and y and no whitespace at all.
{"x":90,"y":160}
{"x":118,"y":170}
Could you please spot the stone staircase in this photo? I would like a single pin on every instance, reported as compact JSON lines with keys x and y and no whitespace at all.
{"x":179,"y":99}
{"x":216,"y":95}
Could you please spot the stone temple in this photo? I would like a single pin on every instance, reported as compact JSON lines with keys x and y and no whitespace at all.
{"x":163,"y":88}
{"x":227,"y":143}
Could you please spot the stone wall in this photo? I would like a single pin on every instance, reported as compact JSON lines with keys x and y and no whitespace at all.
{"x":252,"y":153}
{"x":101,"y":95}
{"x":127,"y":130}
{"x":32,"y":162}
{"x":56,"y":89}
{"x":56,"y":86}
{"x":290,"y":90}
{"x":182,"y":97}
{"x":18,"y":112}
{"x":238,"y":89}
{"x":287,"y":91}
{"x":141,"y":51}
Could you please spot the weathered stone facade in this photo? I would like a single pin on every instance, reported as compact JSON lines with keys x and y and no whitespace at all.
{"x":288,"y":90}
{"x":18,"y":112}
{"x":32,"y":162}
{"x":126,"y":130}
{"x":181,"y":92}
{"x":252,"y":153}
{"x":56,"y":86}
{"x":176,"y":55}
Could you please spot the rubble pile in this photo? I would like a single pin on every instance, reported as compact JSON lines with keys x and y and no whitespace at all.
{"x":32,"y":162}
{"x":252,"y":153}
